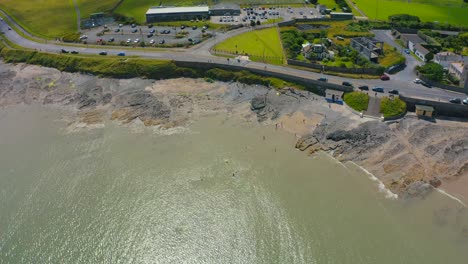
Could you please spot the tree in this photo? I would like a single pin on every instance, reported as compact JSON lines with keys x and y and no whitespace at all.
{"x":429,"y":57}
{"x":432,"y":71}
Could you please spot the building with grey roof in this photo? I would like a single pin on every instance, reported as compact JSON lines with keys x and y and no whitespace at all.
{"x":155,"y":14}
{"x":370,"y":48}
{"x":225,"y":9}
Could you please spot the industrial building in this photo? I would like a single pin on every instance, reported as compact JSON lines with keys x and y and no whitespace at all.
{"x":225,"y":9}
{"x":155,"y":14}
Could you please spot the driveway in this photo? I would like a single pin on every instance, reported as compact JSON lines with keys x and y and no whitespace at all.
{"x":408,"y":74}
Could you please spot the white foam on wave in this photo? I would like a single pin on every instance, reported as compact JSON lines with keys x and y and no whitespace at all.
{"x":451,"y":196}
{"x":388,"y":194}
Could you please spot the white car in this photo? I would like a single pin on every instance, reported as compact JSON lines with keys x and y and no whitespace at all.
{"x":417,"y":81}
{"x":465,"y":101}
{"x":152,"y":41}
{"x":129,"y":40}
{"x":136,"y":40}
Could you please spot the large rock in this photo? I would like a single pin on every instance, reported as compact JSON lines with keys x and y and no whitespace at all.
{"x":257,"y":103}
{"x":305,"y":142}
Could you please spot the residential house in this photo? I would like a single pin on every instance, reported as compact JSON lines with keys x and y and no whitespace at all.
{"x":445,"y":58}
{"x":370,"y":48}
{"x":420,"y":51}
{"x":456,"y":69}
{"x":411,"y":40}
{"x":316,"y":51}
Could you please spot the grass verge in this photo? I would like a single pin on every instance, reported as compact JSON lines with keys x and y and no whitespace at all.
{"x":392,"y":106}
{"x":357,"y":100}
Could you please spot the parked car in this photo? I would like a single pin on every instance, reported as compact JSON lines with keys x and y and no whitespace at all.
{"x":190,"y":40}
{"x":64,"y":51}
{"x":417,"y":81}
{"x":347,"y":84}
{"x":129,"y":40}
{"x":465,"y":101}
{"x":378,"y":89}
{"x":150,"y":35}
{"x":151,"y":41}
{"x":83,"y":37}
{"x":162,"y":41}
{"x":323,"y":79}
{"x":74,"y":52}
{"x":394,"y":91}
{"x":111,"y":40}
{"x":103,"y":53}
{"x":150,"y":25}
{"x":455,"y":101}
{"x":194,"y":27}
{"x":407,"y":51}
{"x":133,"y":25}
{"x":136,"y":40}
{"x":384,"y":77}
{"x":121,"y":54}
{"x":182,"y":26}
{"x":152,"y":31}
{"x":117,"y":30}
{"x":364,"y":88}
{"x":423,"y":83}
{"x":134,"y":30}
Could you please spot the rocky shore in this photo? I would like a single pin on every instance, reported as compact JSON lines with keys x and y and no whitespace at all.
{"x":409,"y":156}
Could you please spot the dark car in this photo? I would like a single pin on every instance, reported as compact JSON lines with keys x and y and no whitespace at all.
{"x":9,"y":28}
{"x":64,"y":51}
{"x":190,"y":40}
{"x":111,"y":40}
{"x":394,"y":91}
{"x":121,"y":54}
{"x":150,"y":25}
{"x":455,"y":101}
{"x":103,"y":53}
{"x":182,"y":27}
{"x":134,"y":30}
{"x":407,"y":51}
{"x":117,"y":30}
{"x":133,"y":25}
{"x":347,"y":84}
{"x":378,"y":89}
{"x":364,"y":88}
{"x":384,"y":77}
{"x":323,"y":79}
{"x":194,"y":27}
{"x":150,"y":35}
{"x":74,"y":52}
{"x":423,"y":83}
{"x":162,"y":41}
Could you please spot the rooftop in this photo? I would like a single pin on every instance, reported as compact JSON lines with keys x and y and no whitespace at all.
{"x":413,"y":38}
{"x":425,"y":108}
{"x":458,"y":66}
{"x":421,"y":49}
{"x":173,"y":10}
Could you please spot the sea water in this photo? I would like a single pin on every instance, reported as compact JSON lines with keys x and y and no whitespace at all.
{"x":220,"y":191}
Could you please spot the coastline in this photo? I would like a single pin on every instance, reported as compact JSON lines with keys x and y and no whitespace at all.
{"x":407,"y":157}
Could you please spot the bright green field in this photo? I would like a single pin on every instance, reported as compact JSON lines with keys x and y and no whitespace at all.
{"x":259,"y":44}
{"x":51,"y":18}
{"x":448,"y":11}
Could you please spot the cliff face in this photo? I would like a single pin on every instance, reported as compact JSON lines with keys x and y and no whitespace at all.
{"x":400,"y":153}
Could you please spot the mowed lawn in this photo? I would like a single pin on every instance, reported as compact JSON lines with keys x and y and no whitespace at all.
{"x":88,"y":7}
{"x":456,"y":14}
{"x":260,"y":45}
{"x":46,"y":18}
{"x":52,"y":18}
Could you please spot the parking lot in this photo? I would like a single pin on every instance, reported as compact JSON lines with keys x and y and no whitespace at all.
{"x":262,"y":14}
{"x":150,"y":36}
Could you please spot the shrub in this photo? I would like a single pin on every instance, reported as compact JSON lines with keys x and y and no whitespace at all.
{"x":392,"y":106}
{"x":357,"y":100}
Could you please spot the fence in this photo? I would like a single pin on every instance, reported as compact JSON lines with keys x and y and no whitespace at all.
{"x":371,"y":71}
{"x":443,"y":86}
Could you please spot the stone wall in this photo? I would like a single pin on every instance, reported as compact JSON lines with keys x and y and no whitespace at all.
{"x":371,"y":71}
{"x":440,"y":108}
{"x":310,"y":84}
{"x":444,"y":86}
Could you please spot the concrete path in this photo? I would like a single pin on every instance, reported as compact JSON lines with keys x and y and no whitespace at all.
{"x":373,"y":109}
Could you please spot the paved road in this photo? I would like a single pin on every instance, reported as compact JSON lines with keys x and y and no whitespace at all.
{"x":408,"y":74}
{"x":201,"y":53}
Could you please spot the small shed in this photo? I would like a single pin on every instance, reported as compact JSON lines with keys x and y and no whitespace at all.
{"x":424,"y":111}
{"x":334,"y":96}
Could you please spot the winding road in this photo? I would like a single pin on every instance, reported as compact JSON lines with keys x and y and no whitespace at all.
{"x":201,"y":53}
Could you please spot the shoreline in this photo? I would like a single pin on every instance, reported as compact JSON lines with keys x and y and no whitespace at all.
{"x":407,"y":157}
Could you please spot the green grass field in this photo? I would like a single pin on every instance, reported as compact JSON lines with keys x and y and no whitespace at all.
{"x":88,"y":7}
{"x":448,"y":11}
{"x":261,"y":45}
{"x":357,"y":100}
